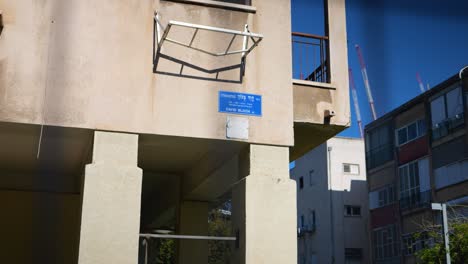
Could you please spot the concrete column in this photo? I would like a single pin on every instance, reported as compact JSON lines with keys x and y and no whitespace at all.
{"x":264,"y":208}
{"x":193,"y":220}
{"x":110,"y":218}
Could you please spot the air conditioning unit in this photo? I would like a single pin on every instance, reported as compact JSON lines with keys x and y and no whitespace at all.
{"x":301,"y":231}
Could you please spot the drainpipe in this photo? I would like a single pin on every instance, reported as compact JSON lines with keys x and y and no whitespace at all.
{"x":332,"y":221}
{"x":464,"y":81}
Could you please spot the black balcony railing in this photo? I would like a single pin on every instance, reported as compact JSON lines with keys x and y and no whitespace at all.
{"x":417,"y":200}
{"x":448,"y":126}
{"x":310,"y":57}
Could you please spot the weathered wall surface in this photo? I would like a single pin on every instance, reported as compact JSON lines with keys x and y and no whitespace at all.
{"x":89,"y":64}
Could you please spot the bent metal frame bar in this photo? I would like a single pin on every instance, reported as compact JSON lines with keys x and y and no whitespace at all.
{"x":162,"y":36}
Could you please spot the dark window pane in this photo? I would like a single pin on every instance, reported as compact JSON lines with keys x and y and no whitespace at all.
{"x":301,"y":182}
{"x":438,"y":110}
{"x":402,"y":136}
{"x":421,"y":127}
{"x":412,"y":131}
{"x":454,"y":102}
{"x":356,"y":210}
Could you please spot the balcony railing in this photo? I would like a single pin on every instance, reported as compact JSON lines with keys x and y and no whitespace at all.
{"x":418,"y":200}
{"x":310,"y":57}
{"x":448,"y":126}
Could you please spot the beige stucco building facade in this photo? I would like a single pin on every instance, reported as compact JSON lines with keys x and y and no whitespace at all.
{"x":103,"y":138}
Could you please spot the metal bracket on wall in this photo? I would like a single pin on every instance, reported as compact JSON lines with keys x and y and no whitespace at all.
{"x":1,"y":22}
{"x":161,"y":36}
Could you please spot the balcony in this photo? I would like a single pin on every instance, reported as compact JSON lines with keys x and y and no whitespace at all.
{"x":310,"y":57}
{"x":415,"y":201}
{"x":448,"y":126}
{"x":320,"y":86}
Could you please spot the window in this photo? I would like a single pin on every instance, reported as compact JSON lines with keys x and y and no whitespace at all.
{"x":385,"y":243}
{"x":409,"y":184}
{"x":379,"y":147}
{"x":382,"y":197}
{"x":450,"y":174}
{"x":351,"y":168}
{"x":352,"y":210}
{"x":311,"y":177}
{"x":386,"y":196}
{"x":242,"y":2}
{"x":301,"y":182}
{"x":447,"y":113}
{"x":415,"y":187}
{"x":302,"y":221}
{"x":411,"y":132}
{"x":414,"y":242}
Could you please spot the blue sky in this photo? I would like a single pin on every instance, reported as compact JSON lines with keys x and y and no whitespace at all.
{"x":398,"y":38}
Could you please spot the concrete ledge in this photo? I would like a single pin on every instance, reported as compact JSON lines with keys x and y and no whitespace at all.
{"x":217,"y":4}
{"x":328,"y":86}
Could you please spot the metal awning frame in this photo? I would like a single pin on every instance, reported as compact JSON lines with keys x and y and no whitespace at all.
{"x":162,"y":33}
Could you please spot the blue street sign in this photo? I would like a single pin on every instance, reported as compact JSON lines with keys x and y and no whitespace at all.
{"x":240,"y":103}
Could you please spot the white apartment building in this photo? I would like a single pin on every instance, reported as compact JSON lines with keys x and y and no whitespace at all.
{"x":332,"y":203}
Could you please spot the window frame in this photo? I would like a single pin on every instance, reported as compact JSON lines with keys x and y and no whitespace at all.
{"x":379,"y":145}
{"x":444,"y":98}
{"x":385,"y":244}
{"x":411,"y":185}
{"x":412,"y":244}
{"x":405,"y":127}
{"x":350,"y":170}
{"x":351,"y":210}
{"x":384,"y":196}
{"x":311,"y":172}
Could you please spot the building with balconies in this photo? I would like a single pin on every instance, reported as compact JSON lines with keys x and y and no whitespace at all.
{"x":119,"y":118}
{"x":416,"y":155}
{"x":332,"y":206}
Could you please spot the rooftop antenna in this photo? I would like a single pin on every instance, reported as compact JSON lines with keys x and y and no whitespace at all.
{"x":421,"y":85}
{"x":356,"y":102}
{"x":366,"y":81}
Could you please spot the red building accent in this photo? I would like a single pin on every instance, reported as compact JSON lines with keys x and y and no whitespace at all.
{"x":384,"y":216}
{"x":413,"y":150}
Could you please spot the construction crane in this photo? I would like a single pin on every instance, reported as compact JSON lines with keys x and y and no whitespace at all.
{"x":366,"y":81}
{"x":421,"y":85}
{"x":356,"y":102}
